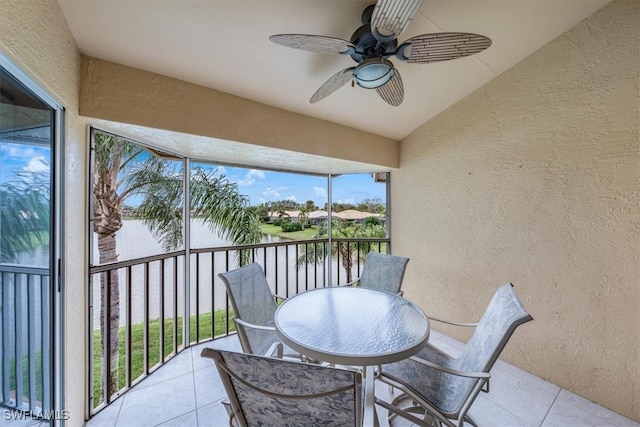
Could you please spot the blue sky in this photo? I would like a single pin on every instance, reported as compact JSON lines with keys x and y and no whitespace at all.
{"x":259,"y":185}
{"x":21,"y":157}
{"x":266,"y":186}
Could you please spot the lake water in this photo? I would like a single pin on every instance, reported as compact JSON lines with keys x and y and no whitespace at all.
{"x":134,"y":241}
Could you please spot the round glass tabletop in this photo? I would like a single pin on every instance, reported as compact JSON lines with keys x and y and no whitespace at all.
{"x":352,"y":326}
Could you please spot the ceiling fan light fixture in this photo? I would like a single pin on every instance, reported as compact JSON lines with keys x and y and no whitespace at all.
{"x":376,"y":40}
{"x":373,"y":72}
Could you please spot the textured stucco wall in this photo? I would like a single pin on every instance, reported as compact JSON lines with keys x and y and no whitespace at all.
{"x":35,"y":35}
{"x":535,"y":179}
{"x":128,"y":95}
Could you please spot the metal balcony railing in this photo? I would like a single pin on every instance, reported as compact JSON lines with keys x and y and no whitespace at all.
{"x":158,"y":316}
{"x":25,"y":354}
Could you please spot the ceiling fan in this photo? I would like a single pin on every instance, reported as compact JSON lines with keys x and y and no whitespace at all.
{"x":375,"y":41}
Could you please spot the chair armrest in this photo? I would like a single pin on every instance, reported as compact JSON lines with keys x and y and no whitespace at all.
{"x":352,"y":283}
{"x":448,"y":322}
{"x":253,"y":326}
{"x":276,"y":348}
{"x":449,"y":370}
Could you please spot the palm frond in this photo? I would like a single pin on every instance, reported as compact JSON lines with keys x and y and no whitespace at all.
{"x":160,"y":184}
{"x":25,"y":213}
{"x":312,"y":255}
{"x":216,"y":200}
{"x":123,"y":170}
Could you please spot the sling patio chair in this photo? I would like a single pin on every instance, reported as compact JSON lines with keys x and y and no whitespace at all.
{"x":265,"y":391}
{"x":440,"y":389}
{"x":254,"y":307}
{"x":382,"y":272}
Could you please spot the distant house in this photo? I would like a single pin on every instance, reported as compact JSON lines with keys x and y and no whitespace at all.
{"x":320,"y":216}
{"x":291,"y":215}
{"x":358,"y":216}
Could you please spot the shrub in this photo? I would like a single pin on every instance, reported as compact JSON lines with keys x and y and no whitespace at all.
{"x":291,"y":226}
{"x":372,"y":220}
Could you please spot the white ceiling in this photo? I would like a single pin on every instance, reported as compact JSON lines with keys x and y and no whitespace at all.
{"x":223,"y":44}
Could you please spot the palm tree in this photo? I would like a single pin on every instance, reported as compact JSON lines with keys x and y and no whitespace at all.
{"x":282,"y":214}
{"x":311,"y":206}
{"x":123,"y":170}
{"x":303,"y":215}
{"x":347,"y":251}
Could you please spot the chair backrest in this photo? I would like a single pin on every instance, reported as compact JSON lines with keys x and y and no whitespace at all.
{"x":503,"y":315}
{"x":276,"y":392}
{"x":253,"y":302}
{"x":383,"y":272}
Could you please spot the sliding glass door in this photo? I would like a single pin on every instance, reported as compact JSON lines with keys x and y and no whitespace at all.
{"x":28,"y":295}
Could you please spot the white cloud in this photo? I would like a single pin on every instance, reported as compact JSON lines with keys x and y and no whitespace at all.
{"x":36,"y":164}
{"x":251,"y":176}
{"x":221,"y":170}
{"x":350,"y":201}
{"x":19,"y":151}
{"x":292,"y":198}
{"x":320,"y":192}
{"x":257,"y":173}
{"x":274,"y":192}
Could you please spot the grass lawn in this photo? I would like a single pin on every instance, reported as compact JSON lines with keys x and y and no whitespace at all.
{"x":137,"y":346}
{"x":25,"y":376}
{"x":308,"y":234}
{"x":276,"y":230}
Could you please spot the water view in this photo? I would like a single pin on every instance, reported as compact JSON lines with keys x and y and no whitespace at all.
{"x":135,"y":240}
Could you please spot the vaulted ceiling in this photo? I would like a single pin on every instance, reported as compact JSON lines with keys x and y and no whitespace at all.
{"x":224,"y":44}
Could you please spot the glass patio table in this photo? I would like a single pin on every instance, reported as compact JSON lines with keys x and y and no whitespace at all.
{"x":353,"y":326}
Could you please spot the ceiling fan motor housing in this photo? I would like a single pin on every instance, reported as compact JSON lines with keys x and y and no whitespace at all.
{"x":375,"y":41}
{"x":373,"y":69}
{"x":367,"y":45}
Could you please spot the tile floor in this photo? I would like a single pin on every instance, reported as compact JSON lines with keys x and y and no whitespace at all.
{"x":187,"y":392}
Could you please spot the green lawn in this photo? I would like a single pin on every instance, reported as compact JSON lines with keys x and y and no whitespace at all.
{"x":137,"y":346}
{"x":25,"y":375}
{"x":276,"y":230}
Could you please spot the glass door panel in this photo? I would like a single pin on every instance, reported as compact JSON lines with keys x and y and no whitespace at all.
{"x":26,"y":137}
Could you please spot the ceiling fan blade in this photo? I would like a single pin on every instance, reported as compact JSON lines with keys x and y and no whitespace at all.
{"x":321,"y":44}
{"x":427,"y":48}
{"x":334,"y":83}
{"x":391,"y":17}
{"x":392,"y":91}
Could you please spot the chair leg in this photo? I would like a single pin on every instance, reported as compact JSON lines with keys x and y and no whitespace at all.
{"x":469,"y":420}
{"x":417,"y":413}
{"x":232,"y":416}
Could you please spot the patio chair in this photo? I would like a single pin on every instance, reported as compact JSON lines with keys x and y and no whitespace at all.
{"x":382,"y":272}
{"x":265,"y":391}
{"x":442,"y":388}
{"x":254,"y":306}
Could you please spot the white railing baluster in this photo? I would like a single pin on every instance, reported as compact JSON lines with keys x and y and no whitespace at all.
{"x":32,"y":332}
{"x":20,"y":351}
{"x":45,"y":284}
{"x":6,"y":336}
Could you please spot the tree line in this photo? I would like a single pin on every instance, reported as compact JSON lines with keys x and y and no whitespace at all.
{"x":268,"y":209}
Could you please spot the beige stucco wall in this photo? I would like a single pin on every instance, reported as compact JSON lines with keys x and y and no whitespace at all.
{"x":35,"y":35}
{"x":535,"y":179}
{"x":128,"y":95}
